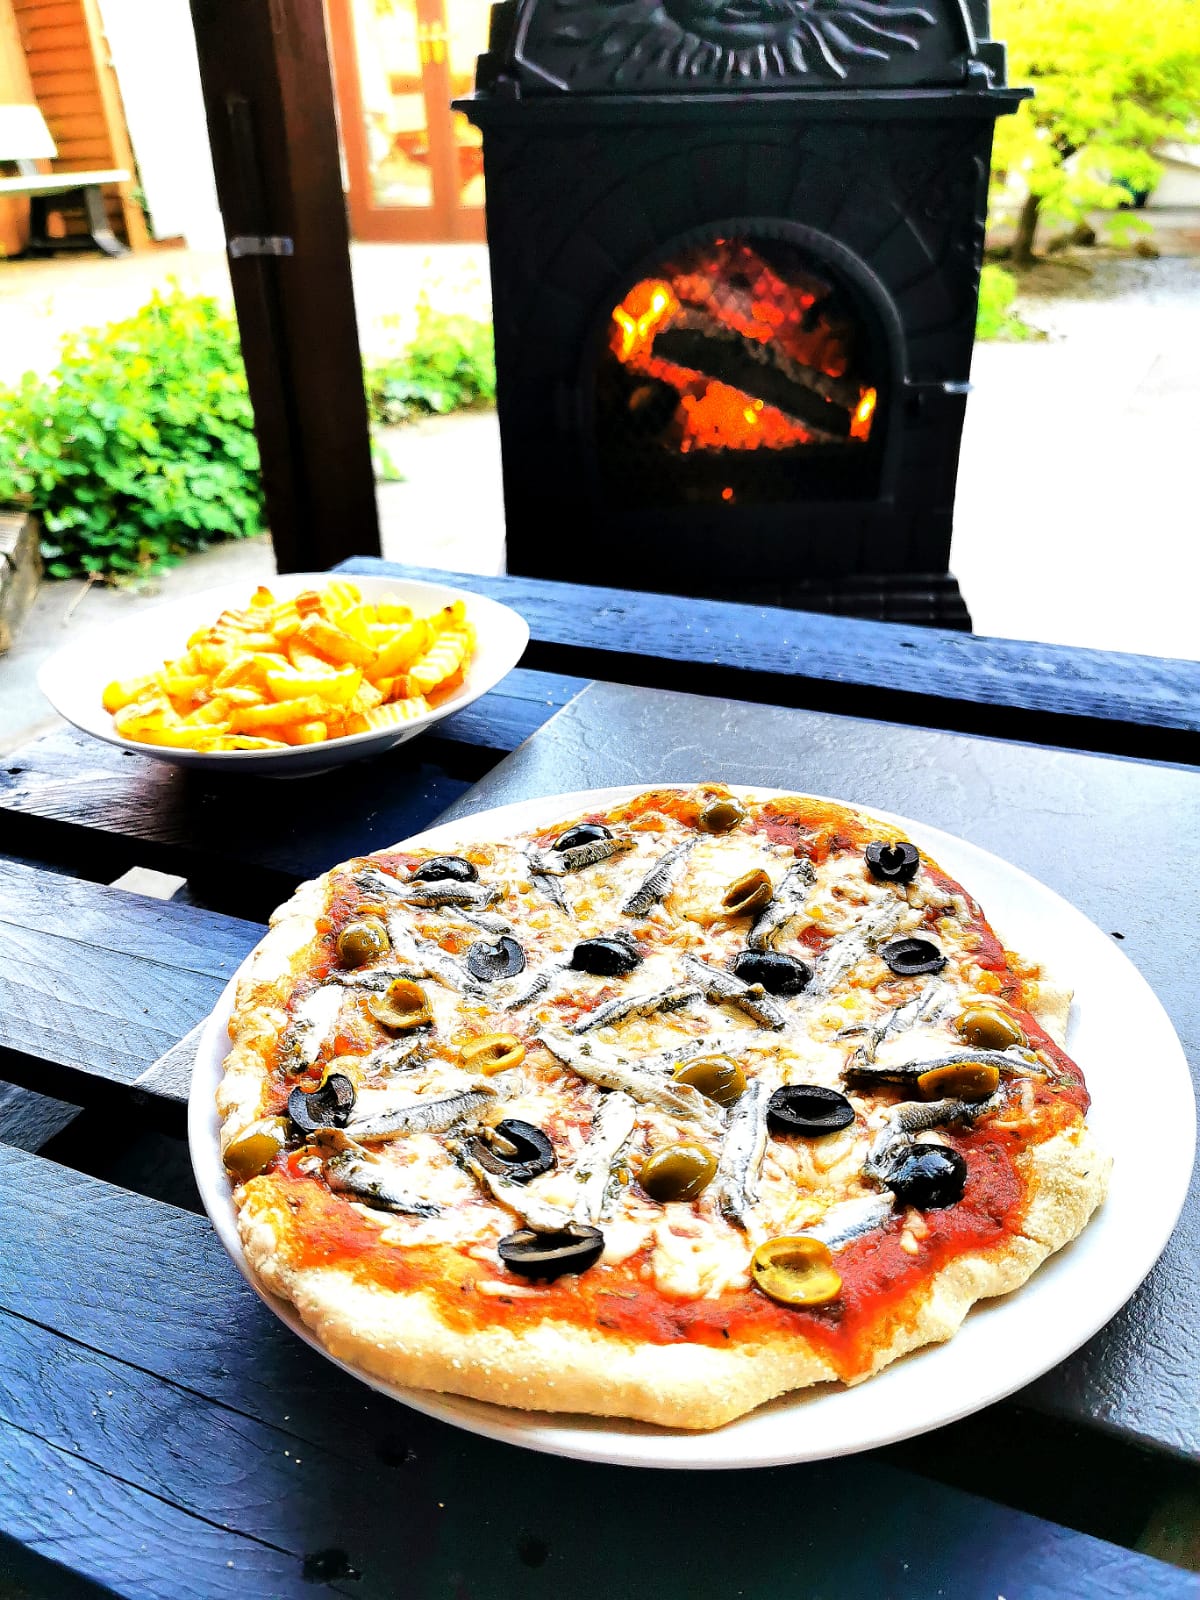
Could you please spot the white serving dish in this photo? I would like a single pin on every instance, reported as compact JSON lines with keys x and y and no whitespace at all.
{"x":74,"y":679}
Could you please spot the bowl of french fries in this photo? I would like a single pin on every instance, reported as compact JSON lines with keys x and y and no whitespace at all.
{"x":298,"y":675}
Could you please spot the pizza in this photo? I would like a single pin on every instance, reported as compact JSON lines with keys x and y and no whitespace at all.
{"x":658,"y":1112}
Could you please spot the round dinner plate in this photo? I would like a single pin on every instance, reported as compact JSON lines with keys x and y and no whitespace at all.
{"x":74,"y":678}
{"x":1117,"y":1026}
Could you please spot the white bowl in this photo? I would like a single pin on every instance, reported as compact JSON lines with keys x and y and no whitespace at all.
{"x":74,"y":679}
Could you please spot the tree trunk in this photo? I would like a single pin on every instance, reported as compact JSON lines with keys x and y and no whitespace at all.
{"x":1022,"y":245}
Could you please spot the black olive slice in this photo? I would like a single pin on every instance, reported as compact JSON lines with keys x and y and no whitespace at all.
{"x":489,"y":962}
{"x":777,"y":973}
{"x":606,"y":958}
{"x":327,"y":1107}
{"x":894,"y":863}
{"x":929,"y":1177}
{"x":808,"y":1109}
{"x":909,"y":958}
{"x":583,"y":833}
{"x":531,"y":1151}
{"x":439,"y":867}
{"x":549,"y":1255}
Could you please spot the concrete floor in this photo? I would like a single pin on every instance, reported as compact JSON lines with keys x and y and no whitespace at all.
{"x":1077,"y":515}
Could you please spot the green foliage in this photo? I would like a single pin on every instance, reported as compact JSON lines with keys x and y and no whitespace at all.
{"x":997,"y":319}
{"x":1112,"y":79}
{"x":448,"y":364}
{"x":140,"y":445}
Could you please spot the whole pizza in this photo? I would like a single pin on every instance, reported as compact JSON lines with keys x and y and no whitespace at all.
{"x":659,"y":1112}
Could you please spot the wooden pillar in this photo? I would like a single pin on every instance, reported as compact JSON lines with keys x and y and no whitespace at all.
{"x":268,"y":95}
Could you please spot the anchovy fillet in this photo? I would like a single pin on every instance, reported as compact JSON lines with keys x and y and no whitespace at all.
{"x":857,"y":1071}
{"x":557,"y":863}
{"x":312,"y":1022}
{"x":534,"y":988}
{"x":394,"y":1054}
{"x":911,"y":1117}
{"x":735,"y":1185}
{"x":637,"y":1005}
{"x":539,"y":1214}
{"x":752,"y":998}
{"x":430,"y":958}
{"x":659,"y":881}
{"x":546,"y":886}
{"x":370,"y":1182}
{"x":851,"y":1219}
{"x":785,"y":904}
{"x":926,"y":1007}
{"x":611,"y":1128}
{"x":608,"y":1070}
{"x":441,"y":892}
{"x":481,"y":919}
{"x":423,"y":1116}
{"x":848,"y":949}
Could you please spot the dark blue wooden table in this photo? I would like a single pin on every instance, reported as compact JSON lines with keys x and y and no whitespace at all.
{"x":162,"y":1435}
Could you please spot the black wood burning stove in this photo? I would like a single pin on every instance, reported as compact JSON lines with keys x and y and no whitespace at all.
{"x":735,"y":253}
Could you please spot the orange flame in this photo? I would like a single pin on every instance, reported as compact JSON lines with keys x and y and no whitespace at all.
{"x":711,"y":414}
{"x":860,"y":422}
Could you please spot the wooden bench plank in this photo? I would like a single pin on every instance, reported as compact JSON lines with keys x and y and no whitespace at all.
{"x":207,"y":1389}
{"x":97,"y":983}
{"x":246,"y":842}
{"x":1049,"y":694}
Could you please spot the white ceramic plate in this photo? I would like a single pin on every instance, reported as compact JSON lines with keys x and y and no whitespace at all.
{"x":1004,"y":1344}
{"x":74,"y":679}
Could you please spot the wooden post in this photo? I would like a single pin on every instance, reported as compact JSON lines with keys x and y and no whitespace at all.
{"x":268,"y":96}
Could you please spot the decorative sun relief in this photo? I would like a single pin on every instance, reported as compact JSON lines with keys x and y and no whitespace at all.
{"x":623,"y":41}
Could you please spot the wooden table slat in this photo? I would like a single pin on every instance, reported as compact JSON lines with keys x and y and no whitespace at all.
{"x":97,"y":983}
{"x":1011,"y":688}
{"x":165,"y":1395}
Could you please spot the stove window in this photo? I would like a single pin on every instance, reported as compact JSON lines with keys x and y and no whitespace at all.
{"x":738,"y":370}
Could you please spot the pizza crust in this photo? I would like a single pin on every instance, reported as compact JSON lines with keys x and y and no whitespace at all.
{"x":561,"y":1367}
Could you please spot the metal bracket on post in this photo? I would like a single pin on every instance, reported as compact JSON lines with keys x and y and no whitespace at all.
{"x":259,"y":244}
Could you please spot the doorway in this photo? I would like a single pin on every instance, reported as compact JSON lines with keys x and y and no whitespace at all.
{"x":415,"y":166}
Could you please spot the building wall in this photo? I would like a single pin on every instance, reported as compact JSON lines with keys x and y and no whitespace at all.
{"x":74,"y":87}
{"x":154,"y":53}
{"x":15,"y":89}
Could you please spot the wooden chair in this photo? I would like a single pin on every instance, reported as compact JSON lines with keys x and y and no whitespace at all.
{"x":24,"y":141}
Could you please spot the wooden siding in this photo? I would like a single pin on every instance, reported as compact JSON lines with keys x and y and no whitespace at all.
{"x":75,"y":88}
{"x":15,"y":89}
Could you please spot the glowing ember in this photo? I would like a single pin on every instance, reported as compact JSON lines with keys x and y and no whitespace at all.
{"x":719,"y":306}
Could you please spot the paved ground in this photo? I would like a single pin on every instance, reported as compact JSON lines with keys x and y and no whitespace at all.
{"x":1077,"y":505}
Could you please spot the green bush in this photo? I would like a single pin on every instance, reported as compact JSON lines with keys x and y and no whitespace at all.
{"x":448,"y":365}
{"x":997,"y":319}
{"x":140,"y":444}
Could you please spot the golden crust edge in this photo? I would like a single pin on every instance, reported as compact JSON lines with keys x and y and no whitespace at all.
{"x":561,"y":1367}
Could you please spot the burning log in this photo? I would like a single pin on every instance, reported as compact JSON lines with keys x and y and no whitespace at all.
{"x":823,"y":405}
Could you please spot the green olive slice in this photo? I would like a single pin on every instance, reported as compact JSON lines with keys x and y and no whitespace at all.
{"x":796,"y":1271}
{"x":719,"y":816}
{"x":716,"y":1077}
{"x":677,"y":1171}
{"x":491,"y":1052}
{"x":748,"y":893}
{"x":989,"y":1029}
{"x":962,"y":1080}
{"x":402,"y":1005}
{"x":253,"y":1150}
{"x":362,"y":941}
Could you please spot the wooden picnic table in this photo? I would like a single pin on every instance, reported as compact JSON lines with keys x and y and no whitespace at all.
{"x":161,"y":1433}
